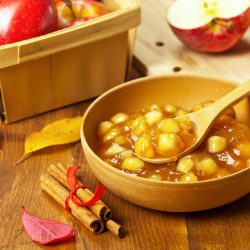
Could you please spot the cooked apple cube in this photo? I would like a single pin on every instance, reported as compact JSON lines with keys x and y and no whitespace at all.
{"x":114,"y":149}
{"x":134,"y":137}
{"x":153,"y":107}
{"x":132,"y":164}
{"x":169,"y":125}
{"x":168,"y":142}
{"x":201,"y":105}
{"x":119,"y":118}
{"x":153,"y":117}
{"x":185,"y":123}
{"x":139,"y":125}
{"x":143,"y":146}
{"x":185,"y":164}
{"x":248,"y":162}
{"x":141,"y":128}
{"x":207,"y":166}
{"x":197,"y":107}
{"x":149,"y":152}
{"x":244,"y":148}
{"x":112,"y":133}
{"x":216,"y":144}
{"x":121,"y":140}
{"x":155,"y":177}
{"x":189,"y":177}
{"x":136,"y":121}
{"x":104,"y":127}
{"x":181,"y":112}
{"x":222,"y":172}
{"x":170,"y":109}
{"x":126,"y":154}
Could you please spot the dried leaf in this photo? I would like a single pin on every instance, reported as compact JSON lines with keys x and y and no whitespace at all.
{"x":45,"y":231}
{"x":56,"y":133}
{"x":59,"y":132}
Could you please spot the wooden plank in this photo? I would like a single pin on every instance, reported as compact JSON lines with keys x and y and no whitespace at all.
{"x":23,"y":86}
{"x":8,"y":56}
{"x":105,"y":27}
{"x":222,"y":228}
{"x":158,"y":51}
{"x":64,"y":78}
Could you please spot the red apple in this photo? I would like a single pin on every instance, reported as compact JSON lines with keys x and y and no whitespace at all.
{"x":73,"y":12}
{"x":24,"y":19}
{"x":209,"y":25}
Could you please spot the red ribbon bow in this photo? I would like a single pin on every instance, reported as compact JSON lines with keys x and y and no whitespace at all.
{"x":73,"y":186}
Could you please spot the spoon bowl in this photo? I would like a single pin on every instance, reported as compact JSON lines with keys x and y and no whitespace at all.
{"x":204,"y":119}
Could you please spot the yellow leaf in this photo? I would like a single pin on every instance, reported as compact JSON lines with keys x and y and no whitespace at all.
{"x":59,"y":132}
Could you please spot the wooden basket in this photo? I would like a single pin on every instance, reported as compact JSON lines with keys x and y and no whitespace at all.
{"x":69,"y":65}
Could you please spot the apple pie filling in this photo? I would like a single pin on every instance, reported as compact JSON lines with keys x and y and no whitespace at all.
{"x":163,"y":131}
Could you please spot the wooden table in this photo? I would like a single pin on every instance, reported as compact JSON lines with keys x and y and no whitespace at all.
{"x":227,"y":227}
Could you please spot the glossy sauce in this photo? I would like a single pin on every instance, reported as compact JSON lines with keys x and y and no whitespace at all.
{"x":199,"y":165}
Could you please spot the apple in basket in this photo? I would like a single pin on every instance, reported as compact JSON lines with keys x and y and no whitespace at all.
{"x":209,"y":25}
{"x":24,"y":19}
{"x":73,"y":12}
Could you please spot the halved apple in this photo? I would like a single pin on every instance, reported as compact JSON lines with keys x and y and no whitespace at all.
{"x":209,"y":25}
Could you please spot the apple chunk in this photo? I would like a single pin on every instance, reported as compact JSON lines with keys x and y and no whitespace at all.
{"x":209,"y":25}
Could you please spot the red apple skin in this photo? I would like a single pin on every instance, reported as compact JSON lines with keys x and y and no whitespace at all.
{"x":83,"y":10}
{"x":24,"y":19}
{"x":205,"y":39}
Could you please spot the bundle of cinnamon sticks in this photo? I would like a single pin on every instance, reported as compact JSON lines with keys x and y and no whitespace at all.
{"x":96,"y":217}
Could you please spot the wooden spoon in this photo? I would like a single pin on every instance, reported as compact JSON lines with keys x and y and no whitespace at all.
{"x":204,"y":119}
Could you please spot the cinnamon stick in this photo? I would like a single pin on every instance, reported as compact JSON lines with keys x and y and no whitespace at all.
{"x":59,"y":172}
{"x":115,"y":228}
{"x":60,"y":193}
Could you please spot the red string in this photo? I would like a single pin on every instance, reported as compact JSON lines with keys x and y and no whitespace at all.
{"x":67,"y":204}
{"x":97,"y":196}
{"x":71,"y":179}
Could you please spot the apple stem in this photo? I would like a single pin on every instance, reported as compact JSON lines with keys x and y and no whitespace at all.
{"x":68,"y":3}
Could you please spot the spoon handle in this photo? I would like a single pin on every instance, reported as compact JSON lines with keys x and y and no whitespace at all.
{"x":229,"y":100}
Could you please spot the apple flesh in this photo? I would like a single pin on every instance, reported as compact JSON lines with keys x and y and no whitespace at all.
{"x":24,"y":19}
{"x":209,"y":25}
{"x":78,"y":11}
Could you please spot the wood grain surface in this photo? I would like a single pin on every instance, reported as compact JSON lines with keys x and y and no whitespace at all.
{"x":158,"y":51}
{"x":227,"y":227}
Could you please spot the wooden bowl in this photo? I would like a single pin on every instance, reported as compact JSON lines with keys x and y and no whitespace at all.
{"x":183,"y":91}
